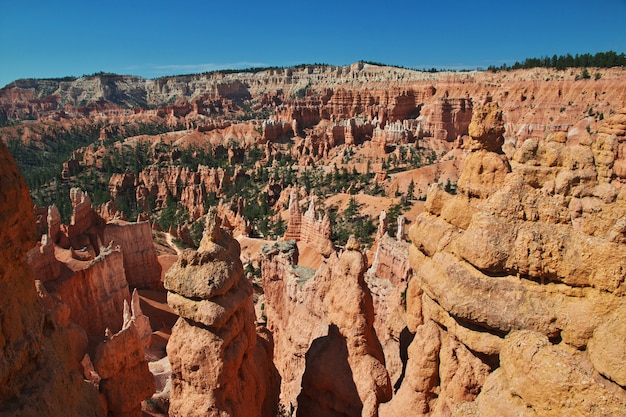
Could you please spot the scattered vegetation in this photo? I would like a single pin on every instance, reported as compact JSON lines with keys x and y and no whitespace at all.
{"x":561,"y":62}
{"x":351,"y":222}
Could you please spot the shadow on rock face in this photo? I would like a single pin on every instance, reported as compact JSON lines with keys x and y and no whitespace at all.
{"x":328,"y":387}
{"x":406,"y":337}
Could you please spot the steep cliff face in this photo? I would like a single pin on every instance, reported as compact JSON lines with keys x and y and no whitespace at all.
{"x":293,"y":300}
{"x":446,"y":118}
{"x":37,"y":374}
{"x":141,"y":265}
{"x":516,"y":279}
{"x":327,"y":352}
{"x":95,"y":292}
{"x":387,"y":280}
{"x":191,"y":188}
{"x":74,"y":249}
{"x":89,"y":265}
{"x":220,"y":366}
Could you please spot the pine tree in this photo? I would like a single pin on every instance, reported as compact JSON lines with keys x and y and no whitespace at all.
{"x":410,"y":191}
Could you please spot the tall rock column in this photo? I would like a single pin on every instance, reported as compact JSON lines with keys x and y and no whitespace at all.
{"x":345,"y":371}
{"x":121,"y":366}
{"x":218,"y":367}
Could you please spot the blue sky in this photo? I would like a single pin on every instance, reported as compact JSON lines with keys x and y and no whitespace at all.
{"x":40,"y":39}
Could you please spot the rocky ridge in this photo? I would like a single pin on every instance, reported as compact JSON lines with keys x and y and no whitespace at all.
{"x":535,"y":101}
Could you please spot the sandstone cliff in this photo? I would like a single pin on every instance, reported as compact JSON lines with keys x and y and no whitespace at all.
{"x":95,"y":292}
{"x":37,"y":369}
{"x":89,"y":265}
{"x":141,"y":265}
{"x":326,"y":349}
{"x":220,"y":365}
{"x":387,"y":280}
{"x":191,"y":188}
{"x":517,"y":280}
{"x":84,"y":286}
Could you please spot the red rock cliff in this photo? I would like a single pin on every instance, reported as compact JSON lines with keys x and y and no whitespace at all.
{"x":37,"y":374}
{"x":141,"y":265}
{"x":308,"y":228}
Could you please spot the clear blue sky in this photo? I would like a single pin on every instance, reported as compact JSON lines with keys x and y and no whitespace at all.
{"x":41,"y":39}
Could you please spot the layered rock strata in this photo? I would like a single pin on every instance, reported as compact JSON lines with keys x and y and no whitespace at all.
{"x":77,"y":246}
{"x":141,"y":265}
{"x":446,"y":118}
{"x":518,"y":277}
{"x":95,"y":292}
{"x":220,"y":366}
{"x":90,"y":265}
{"x":189,"y":187}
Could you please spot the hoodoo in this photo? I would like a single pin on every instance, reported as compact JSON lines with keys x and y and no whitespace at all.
{"x":220,"y":366}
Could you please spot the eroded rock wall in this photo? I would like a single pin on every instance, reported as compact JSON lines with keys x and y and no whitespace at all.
{"x":309,"y":227}
{"x":37,"y":375}
{"x":120,"y":367}
{"x":95,"y":293}
{"x":326,"y":349}
{"x":517,"y":278}
{"x":141,"y":265}
{"x":189,"y":187}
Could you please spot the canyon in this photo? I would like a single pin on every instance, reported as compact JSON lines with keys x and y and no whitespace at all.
{"x":348,"y":241}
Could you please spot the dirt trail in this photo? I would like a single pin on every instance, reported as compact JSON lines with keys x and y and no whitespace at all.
{"x":170,"y":242}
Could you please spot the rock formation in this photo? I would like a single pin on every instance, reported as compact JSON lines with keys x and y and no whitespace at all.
{"x":232,"y":218}
{"x":308,"y":228}
{"x":396,"y":133}
{"x":390,"y":260}
{"x":90,"y":278}
{"x":519,"y":272}
{"x":141,"y":265}
{"x":189,"y":187}
{"x":220,"y":366}
{"x":387,"y":280}
{"x":95,"y":292}
{"x":79,"y":245}
{"x":292,"y":301}
{"x":120,"y":367}
{"x":516,"y":279}
{"x":445,"y":119}
{"x":37,"y":369}
{"x":327,"y":353}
